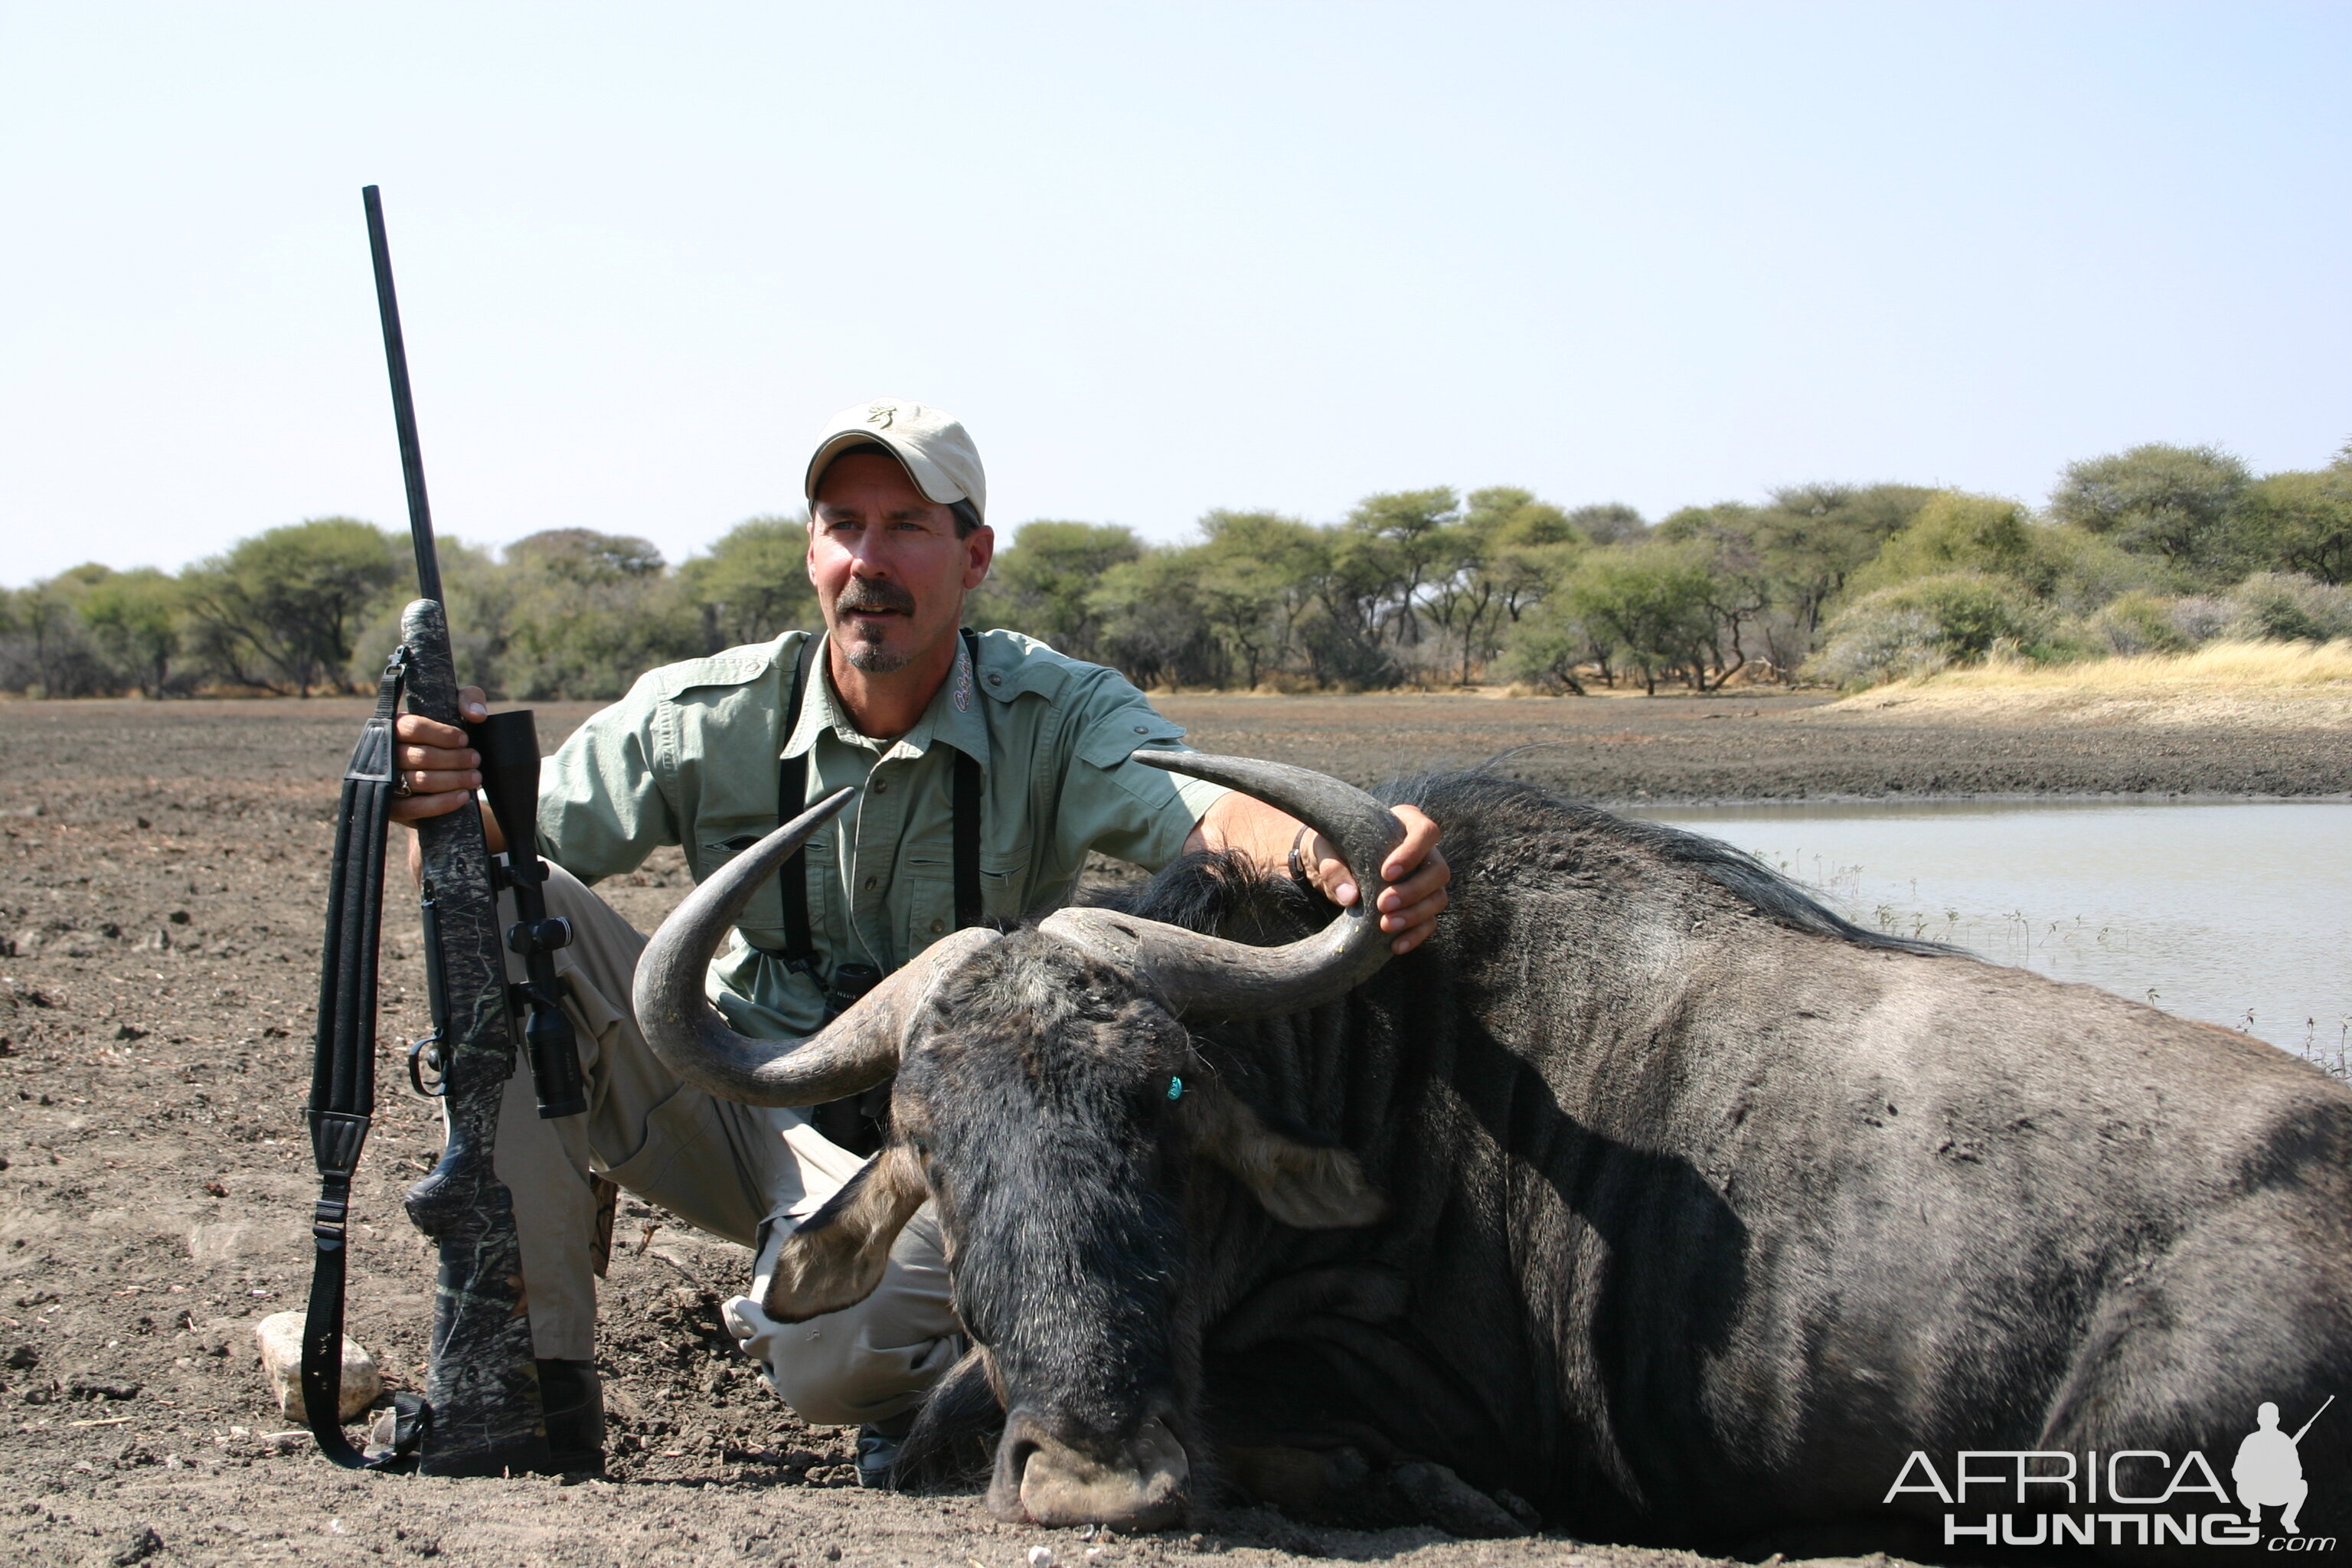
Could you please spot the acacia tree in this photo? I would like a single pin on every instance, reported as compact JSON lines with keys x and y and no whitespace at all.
{"x":293,"y":598}
{"x":134,"y":618}
{"x":1813,"y":538}
{"x":1044,"y":582}
{"x":1610,"y":522}
{"x":753,"y":586}
{"x":1154,"y":628}
{"x":1720,"y":543}
{"x":2301,"y":522}
{"x":2171,"y":501}
{"x":1409,"y":538}
{"x":480,"y":595}
{"x":1258,"y":571}
{"x":591,"y":610}
{"x":1509,"y":548}
{"x":1650,"y":603}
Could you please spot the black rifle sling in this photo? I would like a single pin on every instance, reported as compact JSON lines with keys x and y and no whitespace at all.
{"x":343,"y":1074}
{"x":792,"y":798}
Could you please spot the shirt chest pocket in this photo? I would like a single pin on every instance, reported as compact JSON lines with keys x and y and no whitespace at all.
{"x":925,"y":891}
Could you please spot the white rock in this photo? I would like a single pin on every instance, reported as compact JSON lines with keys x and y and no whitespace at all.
{"x":1041,"y":1557}
{"x":279,"y":1335}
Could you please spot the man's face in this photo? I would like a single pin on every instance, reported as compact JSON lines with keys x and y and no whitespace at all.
{"x":890,"y":572}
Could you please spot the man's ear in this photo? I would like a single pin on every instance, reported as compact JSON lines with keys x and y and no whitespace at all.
{"x":836,"y":1257}
{"x":1315,"y":1186}
{"x":979,"y":549}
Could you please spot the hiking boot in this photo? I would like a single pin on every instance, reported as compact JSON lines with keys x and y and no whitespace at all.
{"x":877,"y":1456}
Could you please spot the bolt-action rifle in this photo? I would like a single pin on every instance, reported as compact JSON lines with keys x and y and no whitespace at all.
{"x":482,"y":1412}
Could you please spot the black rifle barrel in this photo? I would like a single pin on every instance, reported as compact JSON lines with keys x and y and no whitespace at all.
{"x":404,"y":405}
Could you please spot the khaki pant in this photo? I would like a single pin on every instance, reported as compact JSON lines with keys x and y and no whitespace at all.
{"x":742,"y":1171}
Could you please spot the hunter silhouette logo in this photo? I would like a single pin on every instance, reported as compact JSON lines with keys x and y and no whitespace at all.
{"x":2269,"y":1471}
{"x":2127,"y":1497}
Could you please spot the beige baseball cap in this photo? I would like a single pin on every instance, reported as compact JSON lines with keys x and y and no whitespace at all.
{"x":937,"y":453}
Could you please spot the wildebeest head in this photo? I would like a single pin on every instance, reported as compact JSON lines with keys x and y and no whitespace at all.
{"x":1050,"y":1103}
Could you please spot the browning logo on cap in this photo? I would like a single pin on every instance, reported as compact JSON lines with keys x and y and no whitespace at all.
{"x":936,"y":451}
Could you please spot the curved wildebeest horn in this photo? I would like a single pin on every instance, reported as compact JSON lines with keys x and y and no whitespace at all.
{"x":853,"y":1053}
{"x":1206,"y":978}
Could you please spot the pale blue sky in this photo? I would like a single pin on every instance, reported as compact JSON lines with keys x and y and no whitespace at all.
{"x":1158,"y":259}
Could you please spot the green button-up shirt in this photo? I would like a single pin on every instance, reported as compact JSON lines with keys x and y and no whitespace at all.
{"x":690,"y":755}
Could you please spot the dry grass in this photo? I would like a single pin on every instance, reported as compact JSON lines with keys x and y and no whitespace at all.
{"x":2252,"y":685}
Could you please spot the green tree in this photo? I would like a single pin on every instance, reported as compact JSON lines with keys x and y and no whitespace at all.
{"x":753,"y":584}
{"x":1153,"y":628}
{"x":282,"y":608}
{"x":1404,"y":541}
{"x":1955,"y":531}
{"x":478,"y":596}
{"x":134,"y":618}
{"x":46,"y":645}
{"x":1509,"y":549}
{"x":1258,"y":571}
{"x":1610,"y":522}
{"x":1722,"y":542}
{"x":1545,"y":646}
{"x":2300,"y":521}
{"x":1650,"y":602}
{"x":592,"y":612}
{"x":2169,"y":501}
{"x":1812,"y":538}
{"x":1044,"y":584}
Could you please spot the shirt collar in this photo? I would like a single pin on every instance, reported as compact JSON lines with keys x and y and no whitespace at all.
{"x":954,"y":714}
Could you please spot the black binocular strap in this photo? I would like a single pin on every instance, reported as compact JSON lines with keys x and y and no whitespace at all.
{"x":792,"y":798}
{"x":343,"y":1073}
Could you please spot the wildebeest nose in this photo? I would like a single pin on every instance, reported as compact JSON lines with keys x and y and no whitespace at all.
{"x":1040,"y":1480}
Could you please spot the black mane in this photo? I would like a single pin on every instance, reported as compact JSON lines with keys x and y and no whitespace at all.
{"x":1205,"y":891}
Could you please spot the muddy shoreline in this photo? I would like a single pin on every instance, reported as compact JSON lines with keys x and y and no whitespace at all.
{"x":1745,"y":747}
{"x":161,"y":876}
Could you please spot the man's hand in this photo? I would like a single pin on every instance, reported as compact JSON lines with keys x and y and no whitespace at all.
{"x":1415,"y":872}
{"x":438,"y":767}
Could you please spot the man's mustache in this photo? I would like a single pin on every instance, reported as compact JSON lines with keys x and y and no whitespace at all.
{"x":875,"y":595}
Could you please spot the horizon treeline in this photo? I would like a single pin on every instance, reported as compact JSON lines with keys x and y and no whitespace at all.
{"x":2155,"y":549}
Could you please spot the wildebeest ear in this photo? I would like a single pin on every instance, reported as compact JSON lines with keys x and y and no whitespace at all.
{"x":836,"y":1257}
{"x":1315,"y":1186}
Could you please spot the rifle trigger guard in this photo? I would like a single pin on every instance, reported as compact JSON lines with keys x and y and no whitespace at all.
{"x":425,"y":1056}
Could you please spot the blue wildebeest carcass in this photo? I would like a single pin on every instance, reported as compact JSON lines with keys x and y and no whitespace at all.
{"x":1649,"y":1196}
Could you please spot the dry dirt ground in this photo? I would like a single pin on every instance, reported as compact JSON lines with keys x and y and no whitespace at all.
{"x":162,"y":879}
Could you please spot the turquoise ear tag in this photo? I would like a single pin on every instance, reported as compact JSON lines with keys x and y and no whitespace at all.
{"x":1175,"y":1087}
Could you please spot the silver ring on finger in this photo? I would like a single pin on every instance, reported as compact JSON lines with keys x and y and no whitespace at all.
{"x":400,"y":790}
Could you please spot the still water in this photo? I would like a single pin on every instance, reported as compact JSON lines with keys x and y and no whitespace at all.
{"x":2237,"y":913}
